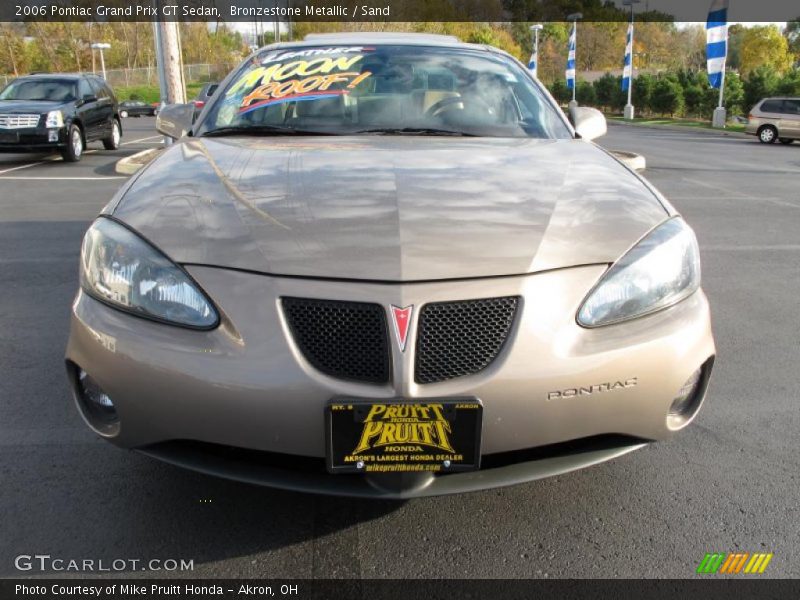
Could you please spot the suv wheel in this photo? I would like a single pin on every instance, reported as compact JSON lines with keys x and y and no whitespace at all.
{"x":786,"y":141}
{"x":74,"y":149}
{"x":767,"y":134}
{"x":112,"y":141}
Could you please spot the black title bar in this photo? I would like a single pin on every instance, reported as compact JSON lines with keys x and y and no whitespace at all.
{"x":708,"y":588}
{"x":361,"y":11}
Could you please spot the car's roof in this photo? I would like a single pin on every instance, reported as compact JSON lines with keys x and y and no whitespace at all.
{"x":66,"y":76}
{"x":781,"y":98}
{"x":376,"y":37}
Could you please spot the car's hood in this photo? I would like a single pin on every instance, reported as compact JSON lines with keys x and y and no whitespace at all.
{"x":389,"y":208}
{"x":29,"y":106}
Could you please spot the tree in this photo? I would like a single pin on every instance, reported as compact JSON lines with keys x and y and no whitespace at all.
{"x":560,"y":92}
{"x":585,"y":94}
{"x":764,"y":45}
{"x":667,"y":98}
{"x":484,"y":35}
{"x":690,"y":46}
{"x":693,"y":97}
{"x":735,"y":38}
{"x":608,"y":92}
{"x":600,"y":45}
{"x":790,"y":84}
{"x":762,"y":82}
{"x":792,"y":35}
{"x":12,"y":49}
{"x":643,"y":91}
{"x":655,"y":40}
{"x":734,"y":93}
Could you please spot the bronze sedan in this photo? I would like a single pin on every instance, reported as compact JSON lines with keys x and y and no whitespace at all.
{"x":387,"y":266}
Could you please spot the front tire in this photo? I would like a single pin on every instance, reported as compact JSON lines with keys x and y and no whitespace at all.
{"x":785,"y":141}
{"x":112,"y":141}
{"x":767,"y":134}
{"x":74,"y":150}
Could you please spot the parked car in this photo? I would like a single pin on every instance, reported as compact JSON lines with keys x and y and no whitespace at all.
{"x":58,"y":113}
{"x":136,"y":108}
{"x":204,"y":95}
{"x":775,"y":119}
{"x":389,"y":266}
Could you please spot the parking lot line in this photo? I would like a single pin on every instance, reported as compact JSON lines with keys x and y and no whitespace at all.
{"x":56,"y":158}
{"x":152,"y":137}
{"x":41,"y":162}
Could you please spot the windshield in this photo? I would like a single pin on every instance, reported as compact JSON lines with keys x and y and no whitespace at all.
{"x":51,"y":90}
{"x":383,"y":90}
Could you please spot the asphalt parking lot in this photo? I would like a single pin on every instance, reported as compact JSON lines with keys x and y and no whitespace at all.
{"x":728,"y":483}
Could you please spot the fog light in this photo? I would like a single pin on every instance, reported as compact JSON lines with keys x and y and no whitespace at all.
{"x":95,"y":399}
{"x":52,"y":135}
{"x":684,"y":401}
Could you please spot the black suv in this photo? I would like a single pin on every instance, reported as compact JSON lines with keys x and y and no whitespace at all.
{"x":63,"y":113}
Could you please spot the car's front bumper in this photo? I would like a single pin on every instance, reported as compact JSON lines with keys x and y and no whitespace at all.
{"x":245,"y":384}
{"x":309,"y":475}
{"x":33,"y":139}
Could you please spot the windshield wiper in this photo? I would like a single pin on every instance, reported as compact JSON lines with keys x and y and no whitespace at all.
{"x":414,"y":131}
{"x":262,"y":130}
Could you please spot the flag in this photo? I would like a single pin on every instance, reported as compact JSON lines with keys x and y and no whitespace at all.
{"x":627,"y":68}
{"x":571,"y":58}
{"x":533,"y":63}
{"x":717,"y":41}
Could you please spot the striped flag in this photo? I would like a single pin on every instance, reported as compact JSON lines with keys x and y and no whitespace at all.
{"x":717,"y":41}
{"x":571,"y":58}
{"x":627,"y":69}
{"x":533,"y":63}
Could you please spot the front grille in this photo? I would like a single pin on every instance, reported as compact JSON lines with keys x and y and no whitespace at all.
{"x":18,"y":121}
{"x":461,"y":338}
{"x":346,"y":340}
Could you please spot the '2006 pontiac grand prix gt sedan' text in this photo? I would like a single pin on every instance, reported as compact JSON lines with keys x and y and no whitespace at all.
{"x":385,"y":265}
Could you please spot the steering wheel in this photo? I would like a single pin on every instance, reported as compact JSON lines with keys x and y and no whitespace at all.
{"x":459,"y":103}
{"x":445,"y":104}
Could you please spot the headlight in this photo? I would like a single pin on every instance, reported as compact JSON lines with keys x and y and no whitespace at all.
{"x":55,"y":118}
{"x":661,"y":270}
{"x":120,"y":268}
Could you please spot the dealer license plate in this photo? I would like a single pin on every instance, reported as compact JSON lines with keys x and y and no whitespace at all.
{"x":438,"y":436}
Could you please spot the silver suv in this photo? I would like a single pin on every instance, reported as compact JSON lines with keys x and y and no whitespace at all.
{"x":775,"y":119}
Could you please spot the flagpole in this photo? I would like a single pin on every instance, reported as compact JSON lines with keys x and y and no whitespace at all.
{"x":627,"y":113}
{"x":630,"y":81}
{"x":574,"y":18}
{"x":575,"y":81}
{"x":717,"y":54}
{"x":533,"y":64}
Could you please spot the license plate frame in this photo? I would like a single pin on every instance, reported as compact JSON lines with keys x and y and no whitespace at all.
{"x":9,"y":137}
{"x":441,"y":435}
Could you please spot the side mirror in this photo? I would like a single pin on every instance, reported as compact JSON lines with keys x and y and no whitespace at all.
{"x":589,"y":123}
{"x":175,"y":120}
{"x":89,"y":98}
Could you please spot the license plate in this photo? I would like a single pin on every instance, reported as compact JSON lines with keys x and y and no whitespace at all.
{"x":9,"y":137}
{"x":440,"y":436}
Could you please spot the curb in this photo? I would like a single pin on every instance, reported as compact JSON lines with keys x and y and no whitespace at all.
{"x":631,"y":160}
{"x":131,"y":164}
{"x":683,"y":128}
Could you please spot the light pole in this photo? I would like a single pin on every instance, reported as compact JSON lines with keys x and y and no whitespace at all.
{"x":574,"y":17}
{"x":628,"y":112}
{"x":533,"y":65}
{"x":102,"y":47}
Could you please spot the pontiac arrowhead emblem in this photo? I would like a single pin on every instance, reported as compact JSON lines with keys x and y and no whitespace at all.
{"x":401,"y":318}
